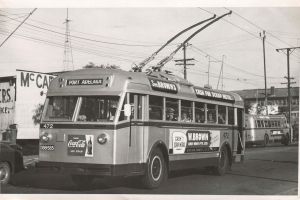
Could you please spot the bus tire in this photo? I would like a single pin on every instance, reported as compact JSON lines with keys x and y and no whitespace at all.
{"x":82,"y":181}
{"x":266,"y":140}
{"x":5,"y":173}
{"x":156,"y":170}
{"x":223,"y":162}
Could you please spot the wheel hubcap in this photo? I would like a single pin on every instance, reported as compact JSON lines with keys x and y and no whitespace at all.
{"x":3,"y":174}
{"x":156,"y":168}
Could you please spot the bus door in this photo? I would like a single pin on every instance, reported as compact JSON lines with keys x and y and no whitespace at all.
{"x":241,"y":136}
{"x":136,"y":135}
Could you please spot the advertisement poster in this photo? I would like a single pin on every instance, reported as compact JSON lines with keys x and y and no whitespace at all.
{"x":81,"y":145}
{"x":7,"y":103}
{"x":188,"y":141}
{"x":31,"y":94}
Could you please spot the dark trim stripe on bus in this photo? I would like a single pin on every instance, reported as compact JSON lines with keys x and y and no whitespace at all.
{"x":134,"y":123}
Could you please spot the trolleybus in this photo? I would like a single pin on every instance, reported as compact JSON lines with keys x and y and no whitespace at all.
{"x":262,"y":129}
{"x":105,"y":122}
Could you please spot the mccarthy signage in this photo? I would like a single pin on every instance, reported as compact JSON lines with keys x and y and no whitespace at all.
{"x":31,"y":88}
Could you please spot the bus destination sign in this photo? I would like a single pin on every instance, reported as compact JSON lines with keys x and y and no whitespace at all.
{"x":212,"y":95}
{"x":75,"y":82}
{"x":163,"y":86}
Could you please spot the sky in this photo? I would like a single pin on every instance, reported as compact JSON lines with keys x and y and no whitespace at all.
{"x":126,"y":36}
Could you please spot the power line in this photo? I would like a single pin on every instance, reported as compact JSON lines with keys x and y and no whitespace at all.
{"x":22,"y":22}
{"x":87,"y":39}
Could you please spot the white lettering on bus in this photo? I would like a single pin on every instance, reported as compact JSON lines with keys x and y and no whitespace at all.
{"x":79,"y":143}
{"x":198,"y":136}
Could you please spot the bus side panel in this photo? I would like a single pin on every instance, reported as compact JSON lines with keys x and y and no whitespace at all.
{"x":151,"y":136}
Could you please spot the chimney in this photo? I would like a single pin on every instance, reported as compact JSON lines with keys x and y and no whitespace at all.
{"x":272,"y":91}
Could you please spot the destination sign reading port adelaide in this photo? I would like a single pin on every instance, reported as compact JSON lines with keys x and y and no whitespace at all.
{"x":200,"y":92}
{"x":163,"y":86}
{"x":76,"y":82}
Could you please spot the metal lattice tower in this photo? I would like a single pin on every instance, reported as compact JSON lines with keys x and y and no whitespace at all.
{"x":68,"y":55}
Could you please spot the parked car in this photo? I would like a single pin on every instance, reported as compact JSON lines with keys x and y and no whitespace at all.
{"x":11,"y":161}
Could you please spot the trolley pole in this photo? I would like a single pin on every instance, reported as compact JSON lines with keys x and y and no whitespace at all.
{"x":288,"y":52}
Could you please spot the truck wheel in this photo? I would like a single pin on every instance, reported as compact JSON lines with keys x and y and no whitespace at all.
{"x":223,"y":162}
{"x":266,"y":140}
{"x":156,"y":170}
{"x":82,"y":181}
{"x":5,"y":173}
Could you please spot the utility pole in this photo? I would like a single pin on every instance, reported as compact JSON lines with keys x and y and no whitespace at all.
{"x":263,"y":36}
{"x":68,"y":55}
{"x":289,"y":50}
{"x":221,"y":73}
{"x":184,"y":60}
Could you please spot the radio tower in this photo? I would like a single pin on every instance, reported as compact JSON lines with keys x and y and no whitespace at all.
{"x":68,"y":56}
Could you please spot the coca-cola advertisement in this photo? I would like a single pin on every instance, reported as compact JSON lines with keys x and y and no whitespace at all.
{"x":80,"y":145}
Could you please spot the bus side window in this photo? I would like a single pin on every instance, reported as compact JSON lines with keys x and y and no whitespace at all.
{"x":211,"y":113}
{"x":171,"y":109}
{"x":155,"y":107}
{"x":221,"y":114}
{"x":186,"y":111}
{"x":231,"y":115}
{"x":199,"y":112}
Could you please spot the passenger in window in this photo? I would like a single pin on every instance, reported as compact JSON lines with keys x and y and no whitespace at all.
{"x":199,"y":118}
{"x":210,"y":118}
{"x":171,"y":114}
{"x":185,"y":118}
{"x":221,"y":119}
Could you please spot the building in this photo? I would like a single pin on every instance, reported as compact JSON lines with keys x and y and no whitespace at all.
{"x":276,"y":96}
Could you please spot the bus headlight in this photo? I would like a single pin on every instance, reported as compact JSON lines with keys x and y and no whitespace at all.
{"x":102,"y":138}
{"x":45,"y":137}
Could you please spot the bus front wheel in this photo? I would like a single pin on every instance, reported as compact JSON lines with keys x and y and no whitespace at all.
{"x":156,"y":170}
{"x":223,"y":162}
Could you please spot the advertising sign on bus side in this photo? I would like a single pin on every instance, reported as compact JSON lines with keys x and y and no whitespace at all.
{"x":188,"y":141}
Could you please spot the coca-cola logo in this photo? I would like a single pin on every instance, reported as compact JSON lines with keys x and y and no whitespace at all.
{"x":77,"y":144}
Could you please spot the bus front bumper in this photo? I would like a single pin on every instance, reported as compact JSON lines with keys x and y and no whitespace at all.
{"x":91,"y":169}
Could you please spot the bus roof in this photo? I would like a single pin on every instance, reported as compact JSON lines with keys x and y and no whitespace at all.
{"x":99,"y":81}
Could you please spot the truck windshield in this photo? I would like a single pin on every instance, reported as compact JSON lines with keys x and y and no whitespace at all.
{"x":60,"y":108}
{"x":98,"y":108}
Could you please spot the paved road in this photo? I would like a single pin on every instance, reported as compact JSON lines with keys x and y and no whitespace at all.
{"x":266,"y":171}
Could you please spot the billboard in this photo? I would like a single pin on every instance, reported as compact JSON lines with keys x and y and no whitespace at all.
{"x":30,"y":97}
{"x":7,"y":103}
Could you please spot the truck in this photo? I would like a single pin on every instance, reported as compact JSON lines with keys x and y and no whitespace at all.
{"x":21,"y":102}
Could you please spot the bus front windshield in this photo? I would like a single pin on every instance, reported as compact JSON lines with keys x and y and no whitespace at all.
{"x":98,"y":108}
{"x":60,"y":108}
{"x":92,"y":108}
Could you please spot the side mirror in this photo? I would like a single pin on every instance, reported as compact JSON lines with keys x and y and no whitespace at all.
{"x":127,"y":110}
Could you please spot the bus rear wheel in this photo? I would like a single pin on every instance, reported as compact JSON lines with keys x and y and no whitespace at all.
{"x":82,"y":181}
{"x":223,"y":162}
{"x":156,"y":170}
